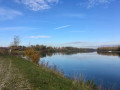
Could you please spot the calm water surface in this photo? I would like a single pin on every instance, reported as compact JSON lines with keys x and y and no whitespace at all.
{"x":103,"y":69}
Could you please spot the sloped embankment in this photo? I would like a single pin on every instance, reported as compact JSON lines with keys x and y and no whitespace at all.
{"x":19,"y":74}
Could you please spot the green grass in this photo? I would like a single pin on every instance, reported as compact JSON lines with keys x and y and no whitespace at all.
{"x":41,"y":78}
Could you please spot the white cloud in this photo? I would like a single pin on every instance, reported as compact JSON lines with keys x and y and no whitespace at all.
{"x":8,"y":14}
{"x":75,"y":15}
{"x":37,"y":5}
{"x":79,"y":42}
{"x":17,"y":1}
{"x":40,"y":36}
{"x":61,"y":27}
{"x":54,"y":1}
{"x":17,"y":28}
{"x":93,"y":3}
{"x":77,"y":31}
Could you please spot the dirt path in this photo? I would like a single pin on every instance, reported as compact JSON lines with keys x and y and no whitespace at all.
{"x":5,"y":72}
{"x":10,"y":77}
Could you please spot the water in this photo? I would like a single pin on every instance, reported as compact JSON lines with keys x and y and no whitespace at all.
{"x":103,"y":69}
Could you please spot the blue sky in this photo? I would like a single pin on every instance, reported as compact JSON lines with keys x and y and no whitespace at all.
{"x":79,"y":23}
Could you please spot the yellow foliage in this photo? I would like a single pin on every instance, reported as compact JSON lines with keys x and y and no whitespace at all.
{"x":29,"y":52}
{"x":34,"y":56}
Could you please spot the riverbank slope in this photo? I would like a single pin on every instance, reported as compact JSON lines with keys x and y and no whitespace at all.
{"x":20,"y":74}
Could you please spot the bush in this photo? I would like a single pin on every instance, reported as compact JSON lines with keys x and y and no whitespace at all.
{"x":34,"y":56}
{"x":3,"y":51}
{"x":29,"y":52}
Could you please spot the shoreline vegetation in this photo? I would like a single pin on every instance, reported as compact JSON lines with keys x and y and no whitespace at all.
{"x":109,"y":49}
{"x":40,"y":74}
{"x":44,"y":50}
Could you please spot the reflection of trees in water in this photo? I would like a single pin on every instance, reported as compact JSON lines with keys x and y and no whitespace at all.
{"x":68,"y":53}
{"x":44,"y":54}
{"x":110,"y":53}
{"x":50,"y":54}
{"x":71,"y":53}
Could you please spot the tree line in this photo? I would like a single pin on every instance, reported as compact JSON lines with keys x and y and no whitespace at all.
{"x":100,"y":49}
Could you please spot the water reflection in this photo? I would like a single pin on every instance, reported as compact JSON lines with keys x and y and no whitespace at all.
{"x":45,"y":54}
{"x":104,"y":68}
{"x":110,"y":53}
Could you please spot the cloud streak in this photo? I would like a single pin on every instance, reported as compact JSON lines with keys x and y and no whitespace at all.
{"x":40,"y":36}
{"x":75,"y":15}
{"x":9,"y":14}
{"x":78,"y":31}
{"x":61,"y":27}
{"x":37,"y":5}
{"x":17,"y":28}
{"x":79,"y":42}
{"x":93,"y":3}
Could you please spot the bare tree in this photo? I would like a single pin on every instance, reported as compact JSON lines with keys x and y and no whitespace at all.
{"x":16,"y":41}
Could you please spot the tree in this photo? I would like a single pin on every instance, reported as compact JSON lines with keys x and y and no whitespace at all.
{"x":16,"y":41}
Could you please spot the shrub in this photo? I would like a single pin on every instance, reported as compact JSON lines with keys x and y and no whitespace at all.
{"x":3,"y":51}
{"x":29,"y":52}
{"x":34,"y":56}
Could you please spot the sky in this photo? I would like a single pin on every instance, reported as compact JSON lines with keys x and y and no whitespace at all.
{"x":78,"y":23}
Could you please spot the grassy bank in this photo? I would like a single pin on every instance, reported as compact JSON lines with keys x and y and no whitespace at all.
{"x":40,"y":78}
